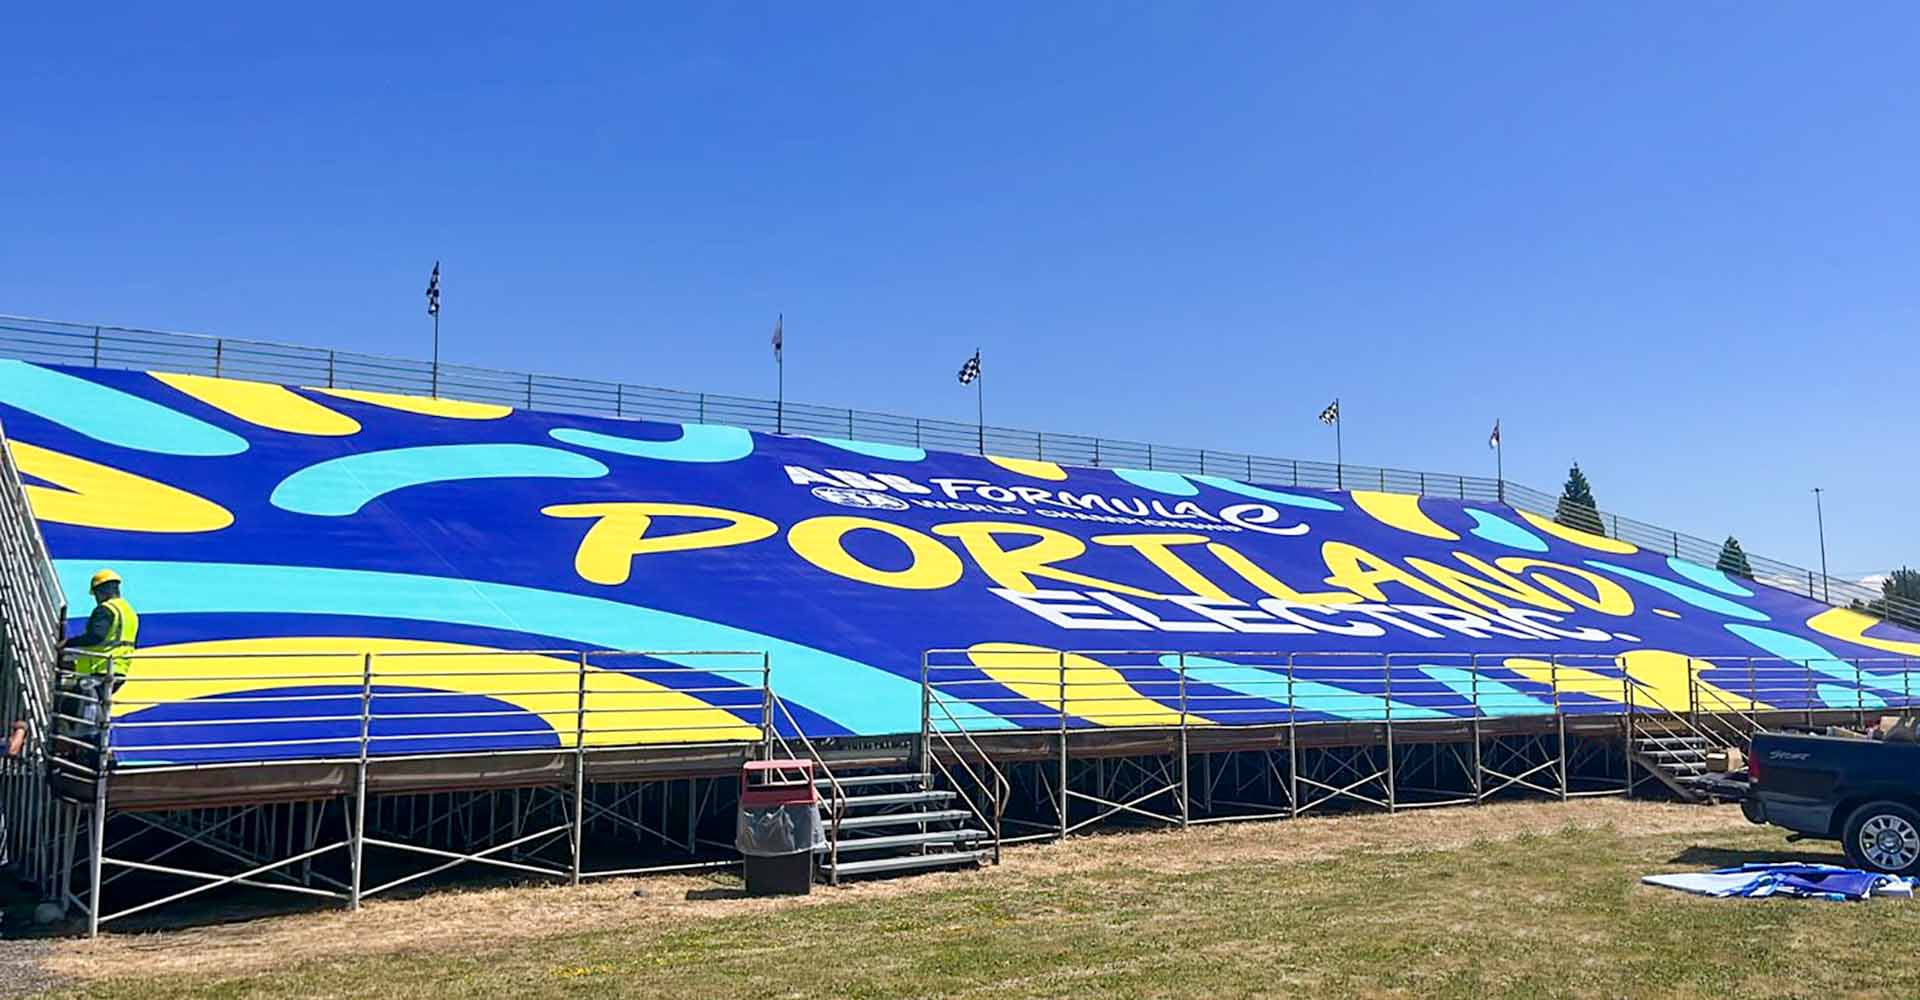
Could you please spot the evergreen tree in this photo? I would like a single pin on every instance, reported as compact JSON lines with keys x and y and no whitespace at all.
{"x":1577,"y":508}
{"x":1733,"y":560}
{"x":1899,"y":598}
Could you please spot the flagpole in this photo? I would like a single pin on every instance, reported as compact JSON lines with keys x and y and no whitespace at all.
{"x":433,"y":309}
{"x":980,"y":402}
{"x":780,"y":362}
{"x":1339,"y":449}
{"x":1499,"y":462}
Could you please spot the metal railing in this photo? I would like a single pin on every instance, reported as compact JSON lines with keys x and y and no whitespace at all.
{"x":975,"y":694}
{"x":100,"y":346}
{"x":971,"y":691}
{"x":358,"y":707}
{"x":32,"y":615}
{"x":355,"y":706}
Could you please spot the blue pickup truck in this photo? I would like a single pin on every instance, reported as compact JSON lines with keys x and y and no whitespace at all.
{"x":1865,"y":793}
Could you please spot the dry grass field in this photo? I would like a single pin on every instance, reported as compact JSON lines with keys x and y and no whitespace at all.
{"x":1510,"y":900}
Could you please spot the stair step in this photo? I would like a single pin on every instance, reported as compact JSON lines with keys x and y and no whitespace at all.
{"x":860,"y":780}
{"x":1688,"y":752}
{"x":910,"y":840}
{"x":1664,"y":741}
{"x":893,"y":799}
{"x":900,"y":819}
{"x":910,"y":862}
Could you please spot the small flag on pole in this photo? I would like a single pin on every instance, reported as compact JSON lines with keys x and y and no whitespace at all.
{"x":1493,"y":440}
{"x":433,"y":291}
{"x":970,"y":370}
{"x":1331,"y":415}
{"x":779,"y":340}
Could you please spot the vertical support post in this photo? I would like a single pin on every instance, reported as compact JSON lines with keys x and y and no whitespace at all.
{"x":1386,"y":672}
{"x":1626,"y":698}
{"x":219,"y":348}
{"x":103,"y":765}
{"x":1859,"y":698}
{"x":529,"y":390}
{"x":1560,"y":719}
{"x":1693,"y":696}
{"x":1479,"y":776}
{"x":619,"y":399}
{"x":580,"y":774}
{"x":96,"y":347}
{"x":1293,"y":745}
{"x":1062,"y":665}
{"x":1186,"y":793}
{"x":926,"y":717}
{"x":330,"y":366}
{"x":767,"y":727}
{"x":358,"y":833}
{"x":1810,"y":694}
{"x":693,"y":814}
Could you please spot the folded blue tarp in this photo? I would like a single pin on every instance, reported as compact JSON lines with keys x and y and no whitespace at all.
{"x":1800,"y":880}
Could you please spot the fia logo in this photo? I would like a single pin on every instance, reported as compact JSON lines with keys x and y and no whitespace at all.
{"x":863,"y":499}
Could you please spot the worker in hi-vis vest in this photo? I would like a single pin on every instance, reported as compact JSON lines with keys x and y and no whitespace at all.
{"x":109,"y":637}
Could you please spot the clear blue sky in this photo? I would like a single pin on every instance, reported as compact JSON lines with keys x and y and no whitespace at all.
{"x":1675,"y":242}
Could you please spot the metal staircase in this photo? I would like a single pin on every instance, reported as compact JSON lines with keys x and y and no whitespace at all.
{"x":1673,"y":746}
{"x":894,"y":822}
{"x":884,"y":816}
{"x":1677,"y":760}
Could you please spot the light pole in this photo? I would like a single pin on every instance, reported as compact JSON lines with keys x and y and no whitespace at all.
{"x":1820,"y":518}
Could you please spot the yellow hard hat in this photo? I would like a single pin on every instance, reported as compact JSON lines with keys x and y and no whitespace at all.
{"x":102,"y":578}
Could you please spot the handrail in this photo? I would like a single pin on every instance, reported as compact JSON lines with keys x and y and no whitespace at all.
{"x":34,"y":609}
{"x":1699,"y":693}
{"x":838,"y":794}
{"x":105,"y":346}
{"x":997,"y":794}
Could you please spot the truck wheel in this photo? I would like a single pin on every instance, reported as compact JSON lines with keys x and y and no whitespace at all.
{"x":1884,"y":837}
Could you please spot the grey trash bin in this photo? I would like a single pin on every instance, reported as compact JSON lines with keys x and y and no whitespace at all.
{"x":779,"y":827}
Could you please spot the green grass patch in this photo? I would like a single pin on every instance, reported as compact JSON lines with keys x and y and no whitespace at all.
{"x":1557,"y":915}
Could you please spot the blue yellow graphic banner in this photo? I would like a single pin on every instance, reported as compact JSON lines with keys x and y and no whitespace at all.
{"x":258,"y":518}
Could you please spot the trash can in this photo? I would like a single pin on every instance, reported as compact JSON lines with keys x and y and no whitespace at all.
{"x":779,"y":827}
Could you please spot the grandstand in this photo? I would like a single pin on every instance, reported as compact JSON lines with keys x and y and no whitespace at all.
{"x":538,"y":624}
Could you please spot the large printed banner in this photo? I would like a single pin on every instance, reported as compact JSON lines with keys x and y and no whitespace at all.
{"x":248,"y":517}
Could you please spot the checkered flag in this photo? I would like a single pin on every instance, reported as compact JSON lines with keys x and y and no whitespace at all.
{"x":433,"y":291}
{"x":970,"y":370}
{"x":1331,"y":415}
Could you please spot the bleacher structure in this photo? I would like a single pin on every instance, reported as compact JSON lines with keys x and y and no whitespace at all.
{"x":538,"y":625}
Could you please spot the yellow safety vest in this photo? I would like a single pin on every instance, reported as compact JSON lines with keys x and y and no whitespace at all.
{"x":120,"y":639}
